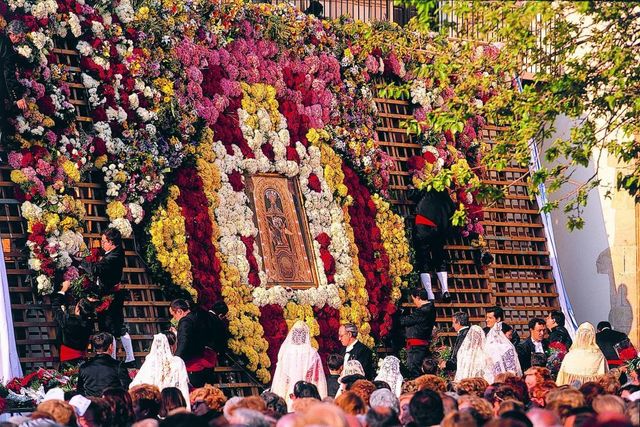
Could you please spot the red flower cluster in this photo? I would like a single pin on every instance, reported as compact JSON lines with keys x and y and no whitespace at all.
{"x":328,"y":319}
{"x":327,"y":259}
{"x":254,"y":269}
{"x":205,"y":264}
{"x":275,"y":330}
{"x":314,"y":183}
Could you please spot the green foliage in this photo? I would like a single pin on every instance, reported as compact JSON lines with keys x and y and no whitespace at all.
{"x":581,"y":63}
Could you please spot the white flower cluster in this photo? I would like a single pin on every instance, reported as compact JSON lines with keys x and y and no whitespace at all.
{"x":42,"y":9}
{"x":40,"y":40}
{"x":74,"y":24}
{"x":429,"y":99}
{"x":45,"y":287}
{"x":31,"y":211}
{"x":125,"y":12}
{"x":85,"y":49}
{"x":136,"y":211}
{"x":123,"y":225}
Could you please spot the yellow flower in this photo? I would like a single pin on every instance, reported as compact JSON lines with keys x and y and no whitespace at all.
{"x":18,"y":176}
{"x":143,"y":13}
{"x":100,"y":161}
{"x":51,"y":221}
{"x":71,"y":170}
{"x":115,"y":210}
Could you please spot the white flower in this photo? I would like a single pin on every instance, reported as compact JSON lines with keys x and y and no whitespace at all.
{"x":31,"y":211}
{"x":134,"y":102}
{"x":44,"y":285}
{"x":74,"y":24}
{"x":25,"y":50}
{"x":98,"y":29}
{"x":34,"y":264}
{"x":123,"y":225}
{"x":125,"y":12}
{"x":85,"y":49}
{"x":137,"y":213}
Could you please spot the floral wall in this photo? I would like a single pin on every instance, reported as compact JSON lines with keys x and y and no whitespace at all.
{"x":189,"y":99}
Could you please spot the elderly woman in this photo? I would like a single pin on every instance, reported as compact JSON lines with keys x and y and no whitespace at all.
{"x":584,"y":362}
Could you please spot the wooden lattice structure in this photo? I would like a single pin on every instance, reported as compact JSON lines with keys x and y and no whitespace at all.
{"x":520,"y":279}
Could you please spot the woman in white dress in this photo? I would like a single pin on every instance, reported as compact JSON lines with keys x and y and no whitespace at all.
{"x":389,"y":372}
{"x":162,"y":369}
{"x":298,"y":361}
{"x":504,"y":357}
{"x":584,"y":362}
{"x":472,"y":358}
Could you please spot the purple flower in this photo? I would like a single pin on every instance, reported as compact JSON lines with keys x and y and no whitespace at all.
{"x":15,"y":159}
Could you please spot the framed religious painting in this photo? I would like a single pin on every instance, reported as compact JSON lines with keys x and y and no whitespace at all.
{"x":283,"y":233}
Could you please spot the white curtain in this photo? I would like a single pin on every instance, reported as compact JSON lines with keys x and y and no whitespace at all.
{"x":570,"y":320}
{"x":9,"y":361}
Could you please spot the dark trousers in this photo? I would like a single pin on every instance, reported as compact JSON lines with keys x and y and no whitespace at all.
{"x":415,"y":356}
{"x":429,"y":243}
{"x":200,"y":378}
{"x":111,"y":320}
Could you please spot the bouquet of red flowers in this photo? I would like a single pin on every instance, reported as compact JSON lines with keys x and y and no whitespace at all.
{"x":555,"y":355}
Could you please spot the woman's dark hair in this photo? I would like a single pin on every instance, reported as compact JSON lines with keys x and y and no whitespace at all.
{"x":381,"y":384}
{"x":121,"y":406}
{"x":170,"y":399}
{"x":506,"y":328}
{"x":87,"y":310}
{"x":171,"y":337}
{"x":113,"y":235}
{"x":305,"y":389}
{"x":420,"y":293}
{"x":429,"y":366}
{"x":276,"y":405}
{"x":101,"y":411}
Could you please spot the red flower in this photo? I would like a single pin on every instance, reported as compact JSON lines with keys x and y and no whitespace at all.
{"x":324,"y":240}
{"x":235,"y":179}
{"x":292,"y":154}
{"x":267,"y":150}
{"x":429,"y":157}
{"x":314,"y":183}
{"x":416,"y":163}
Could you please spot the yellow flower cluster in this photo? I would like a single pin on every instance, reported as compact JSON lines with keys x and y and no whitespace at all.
{"x":18,"y":176}
{"x":395,"y":243}
{"x":115,"y":210}
{"x":247,"y":335}
{"x":165,"y":86}
{"x":51,"y":221}
{"x":258,"y":96}
{"x":168,"y":236}
{"x":294,"y":312}
{"x":71,"y":170}
{"x":354,"y":295}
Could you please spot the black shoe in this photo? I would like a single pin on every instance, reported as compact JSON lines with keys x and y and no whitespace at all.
{"x":130,"y":365}
{"x":446,"y":297}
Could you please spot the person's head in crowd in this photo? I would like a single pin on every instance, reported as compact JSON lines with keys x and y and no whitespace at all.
{"x":483,"y":409}
{"x":507,"y":330}
{"x":145,"y":399}
{"x":147,"y":422}
{"x":276,"y":405}
{"x":517,"y":415}
{"x":628,"y":390}
{"x":351,"y":403}
{"x":459,"y":320}
{"x":449,"y":403}
{"x":419,"y":296}
{"x":60,"y":411}
{"x":384,"y":398}
{"x":538,"y":394}
{"x":608,"y":403}
{"x":590,"y":390}
{"x":519,"y":388}
{"x":426,"y":408}
{"x":429,"y":366}
{"x":321,"y":414}
{"x":305,"y":389}
{"x":121,"y":406}
{"x":502,"y":392}
{"x":476,"y":386}
{"x":510,"y":405}
{"x":537,"y":328}
{"x":536,"y":375}
{"x":405,"y":413}
{"x":171,"y":398}
{"x":363,"y":388}
{"x":183,"y":419}
{"x":563,"y":399}
{"x":255,"y":403}
{"x":97,"y":414}
{"x":220,"y":309}
{"x":179,"y":308}
{"x":102,"y":342}
{"x":609,"y":382}
{"x":110,"y":239}
{"x":382,"y":417}
{"x":632,"y":411}
{"x":459,"y":419}
{"x":502,"y":377}
{"x":579,"y":417}
{"x":493,"y":315}
{"x":302,"y":404}
{"x":207,"y":398}
{"x":171,"y":339}
{"x":335,"y":362}
{"x":381,"y":384}
{"x":554,"y":319}
{"x":543,"y":418}
{"x":347,"y":381}
{"x":347,"y":334}
{"x":229,"y":406}
{"x":431,"y":382}
{"x":249,"y":418}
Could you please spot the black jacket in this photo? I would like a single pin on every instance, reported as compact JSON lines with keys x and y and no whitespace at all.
{"x":73,"y":331}
{"x":107,"y":272}
{"x":194,"y":334}
{"x":606,"y":339}
{"x":439,"y":208}
{"x":452,"y":363}
{"x":525,"y":349}
{"x":100,"y":373}
{"x":364,"y":355}
{"x":560,"y":334}
{"x":419,"y":324}
{"x":332,"y":385}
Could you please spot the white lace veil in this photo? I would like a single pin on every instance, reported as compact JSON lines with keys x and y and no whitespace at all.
{"x":472,"y":358}
{"x":161,"y":368}
{"x":502,"y":352}
{"x":389,"y":372}
{"x":298,"y":361}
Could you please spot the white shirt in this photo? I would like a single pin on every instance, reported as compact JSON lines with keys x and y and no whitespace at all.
{"x":347,"y":350}
{"x":538,"y":346}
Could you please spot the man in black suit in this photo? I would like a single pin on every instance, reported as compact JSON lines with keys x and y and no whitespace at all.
{"x":607,"y":338}
{"x":102,"y":371}
{"x":355,"y":350}
{"x":534,"y":344}
{"x":107,"y":274}
{"x":494,"y":315}
{"x":419,"y":325}
{"x":461,"y":325}
{"x":557,"y":332}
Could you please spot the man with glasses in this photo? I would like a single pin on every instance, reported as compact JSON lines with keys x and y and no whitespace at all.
{"x":354,"y":349}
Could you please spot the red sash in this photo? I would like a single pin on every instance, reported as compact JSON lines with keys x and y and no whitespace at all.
{"x":615,"y":362}
{"x":208,"y":360}
{"x":68,"y":353}
{"x":423,"y":220}
{"x":416,"y":342}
